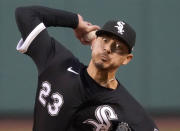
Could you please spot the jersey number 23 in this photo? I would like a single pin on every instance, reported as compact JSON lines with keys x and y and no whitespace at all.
{"x":54,"y":108}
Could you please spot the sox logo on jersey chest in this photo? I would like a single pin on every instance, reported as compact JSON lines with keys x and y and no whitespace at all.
{"x":103,"y":115}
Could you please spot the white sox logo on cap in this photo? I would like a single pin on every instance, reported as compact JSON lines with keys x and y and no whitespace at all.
{"x":120,"y":26}
{"x":121,"y":30}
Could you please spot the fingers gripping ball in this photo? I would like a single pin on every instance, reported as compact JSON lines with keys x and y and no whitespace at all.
{"x":90,"y":36}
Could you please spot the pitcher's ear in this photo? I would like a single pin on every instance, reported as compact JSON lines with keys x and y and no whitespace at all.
{"x":127,"y":59}
{"x":92,"y":43}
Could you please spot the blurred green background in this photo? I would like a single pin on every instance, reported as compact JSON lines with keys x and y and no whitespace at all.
{"x":152,"y":77}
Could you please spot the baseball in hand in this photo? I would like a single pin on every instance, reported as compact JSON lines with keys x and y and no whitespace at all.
{"x":90,"y":36}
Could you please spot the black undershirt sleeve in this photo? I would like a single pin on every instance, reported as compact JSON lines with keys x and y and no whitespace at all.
{"x":29,"y":17}
{"x":43,"y":47}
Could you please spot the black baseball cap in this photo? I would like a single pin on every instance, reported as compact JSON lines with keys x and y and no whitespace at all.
{"x":120,"y":29}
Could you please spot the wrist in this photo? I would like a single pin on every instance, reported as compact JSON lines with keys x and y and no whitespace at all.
{"x":76,"y":21}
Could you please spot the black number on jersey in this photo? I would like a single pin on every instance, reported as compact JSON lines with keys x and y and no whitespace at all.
{"x":53,"y":109}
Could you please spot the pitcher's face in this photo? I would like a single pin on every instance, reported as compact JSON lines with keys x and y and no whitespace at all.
{"x":109,"y":53}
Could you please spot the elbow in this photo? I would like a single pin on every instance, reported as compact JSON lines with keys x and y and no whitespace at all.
{"x":22,"y":15}
{"x":19,"y":12}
